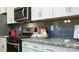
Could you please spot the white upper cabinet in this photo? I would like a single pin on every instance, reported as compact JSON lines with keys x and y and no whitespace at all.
{"x":65,"y":11}
{"x":59,"y":12}
{"x":35,"y":13}
{"x":39,"y":13}
{"x":15,"y":7}
{"x":72,"y":11}
{"x":10,"y":15}
{"x":2,"y":10}
{"x":47,"y":12}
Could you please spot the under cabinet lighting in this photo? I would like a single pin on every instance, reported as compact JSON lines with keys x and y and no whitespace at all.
{"x":65,"y":21}
{"x":69,"y":21}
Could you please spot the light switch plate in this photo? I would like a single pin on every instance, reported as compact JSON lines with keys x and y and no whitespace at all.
{"x":52,"y":27}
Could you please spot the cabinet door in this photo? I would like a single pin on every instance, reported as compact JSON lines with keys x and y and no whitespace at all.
{"x":3,"y":45}
{"x":0,"y":44}
{"x":59,"y":12}
{"x":47,"y":12}
{"x":40,"y":13}
{"x":2,"y":10}
{"x":36,"y":13}
{"x":10,"y":15}
{"x":72,"y":11}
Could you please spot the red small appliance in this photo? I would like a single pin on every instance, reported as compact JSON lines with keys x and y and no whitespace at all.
{"x":12,"y":32}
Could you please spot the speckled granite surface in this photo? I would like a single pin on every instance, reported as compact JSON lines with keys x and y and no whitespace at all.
{"x":67,"y":43}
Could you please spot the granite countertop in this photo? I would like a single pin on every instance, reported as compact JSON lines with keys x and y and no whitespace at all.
{"x":3,"y":36}
{"x":67,"y":43}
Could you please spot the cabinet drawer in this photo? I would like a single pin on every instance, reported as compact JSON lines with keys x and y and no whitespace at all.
{"x":29,"y":50}
{"x":30,"y":45}
{"x":37,"y":46}
{"x":48,"y":48}
{"x":26,"y":50}
{"x":25,"y":44}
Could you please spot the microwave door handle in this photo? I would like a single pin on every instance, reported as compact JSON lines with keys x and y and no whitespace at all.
{"x":23,"y":12}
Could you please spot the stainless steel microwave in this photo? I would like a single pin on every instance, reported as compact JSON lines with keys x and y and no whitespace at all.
{"x":22,"y":14}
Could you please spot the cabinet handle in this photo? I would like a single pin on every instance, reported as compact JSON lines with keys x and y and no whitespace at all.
{"x":25,"y":44}
{"x":23,"y":12}
{"x":10,"y":19}
{"x":39,"y":13}
{"x":2,"y":46}
{"x":52,"y":11}
{"x":35,"y":46}
{"x":68,"y":9}
{"x":50,"y":50}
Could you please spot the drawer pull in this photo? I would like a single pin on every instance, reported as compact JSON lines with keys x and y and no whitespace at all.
{"x":50,"y":50}
{"x":35,"y":46}
{"x":25,"y":44}
{"x":2,"y":46}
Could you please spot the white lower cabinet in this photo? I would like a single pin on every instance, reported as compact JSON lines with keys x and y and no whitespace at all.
{"x":30,"y":46}
{"x":3,"y":45}
{"x":36,"y":47}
